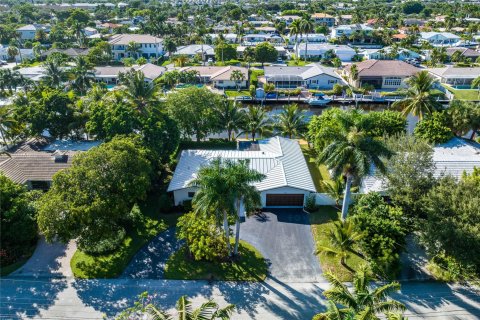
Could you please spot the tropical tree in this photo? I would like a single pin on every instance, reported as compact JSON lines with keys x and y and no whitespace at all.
{"x":291,"y":122}
{"x":363,"y":301}
{"x":354,"y":72}
{"x":230,"y":117}
{"x":82,"y":74}
{"x":296,"y":30}
{"x":237,"y":76}
{"x":7,"y":123}
{"x":352,"y":154}
{"x":419,"y":100}
{"x":342,"y":241}
{"x":335,"y":189}
{"x":147,"y":307}
{"x":55,"y":75}
{"x":132,"y":49}
{"x":139,"y":92}
{"x":306,"y":25}
{"x":180,"y":60}
{"x":476,"y":84}
{"x":256,"y":121}
{"x":170,"y":46}
{"x":12,"y":52}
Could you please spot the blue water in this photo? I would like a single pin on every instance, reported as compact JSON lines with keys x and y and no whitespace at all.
{"x":110,"y":86}
{"x":462,"y":87}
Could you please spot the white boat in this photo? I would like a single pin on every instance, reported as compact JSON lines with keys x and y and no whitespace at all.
{"x":318,"y":101}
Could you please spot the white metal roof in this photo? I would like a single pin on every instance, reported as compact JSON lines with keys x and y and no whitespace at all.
{"x":280,"y":160}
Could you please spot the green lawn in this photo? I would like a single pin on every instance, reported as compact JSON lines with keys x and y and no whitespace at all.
{"x":464,"y":94}
{"x":236,"y":93}
{"x":322,"y":222}
{"x":166,"y":62}
{"x":297,"y":63}
{"x":143,"y":231}
{"x":319,"y":173}
{"x":250,"y":267}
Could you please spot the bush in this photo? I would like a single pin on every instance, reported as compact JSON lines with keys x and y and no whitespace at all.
{"x":434,"y":129}
{"x":293,"y":92}
{"x":310,"y":203}
{"x":205,"y":241}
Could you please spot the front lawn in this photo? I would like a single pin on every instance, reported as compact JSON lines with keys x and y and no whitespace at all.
{"x":250,"y":267}
{"x":236,"y":93}
{"x":111,"y":265}
{"x":319,"y":173}
{"x":322,"y":222}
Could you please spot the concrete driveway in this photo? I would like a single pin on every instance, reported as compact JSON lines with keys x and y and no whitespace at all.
{"x":284,"y":238}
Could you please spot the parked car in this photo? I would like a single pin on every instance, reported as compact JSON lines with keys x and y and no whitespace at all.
{"x":3,"y":63}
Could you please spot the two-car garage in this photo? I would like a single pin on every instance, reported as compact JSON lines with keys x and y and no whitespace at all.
{"x":284,"y":200}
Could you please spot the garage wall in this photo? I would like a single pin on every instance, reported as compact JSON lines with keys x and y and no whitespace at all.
{"x":182,"y":195}
{"x":283,"y":190}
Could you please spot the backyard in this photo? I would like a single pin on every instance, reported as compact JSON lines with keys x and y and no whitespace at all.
{"x":464,"y":94}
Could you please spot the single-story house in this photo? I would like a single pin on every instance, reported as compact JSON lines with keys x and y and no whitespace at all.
{"x":219,"y":77}
{"x":24,"y":54}
{"x":229,"y":37}
{"x":194,"y":50}
{"x":382,"y":74}
{"x":71,"y":52}
{"x":314,"y":76}
{"x":109,"y":74}
{"x":287,"y":182}
{"x":451,"y":158}
{"x":384,"y":53}
{"x":318,"y":50}
{"x":32,"y":73}
{"x":465,"y":52}
{"x":309,"y":37}
{"x":34,"y":162}
{"x":282,"y":52}
{"x":254,"y":39}
{"x":89,"y":31}
{"x":440,"y":39}
{"x":455,"y":76}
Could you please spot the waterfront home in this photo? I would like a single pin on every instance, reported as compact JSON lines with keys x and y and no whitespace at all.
{"x":219,"y":77}
{"x":456,"y":77}
{"x":440,"y":39}
{"x":389,"y":53}
{"x":148,"y":46}
{"x":313,"y":76}
{"x":318,"y":50}
{"x":110,"y":74}
{"x":202,"y":51}
{"x":287,"y":181}
{"x":382,"y":74}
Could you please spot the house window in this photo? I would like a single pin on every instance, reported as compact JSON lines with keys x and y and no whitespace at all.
{"x":392,"y":81}
{"x":332,"y":81}
{"x":191,"y":194}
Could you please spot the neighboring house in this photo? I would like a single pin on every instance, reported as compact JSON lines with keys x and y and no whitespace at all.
{"x":287,"y":180}
{"x":34,"y":162}
{"x":455,"y":76}
{"x":24,"y":54}
{"x":33,"y":73}
{"x":382,"y":74}
{"x":309,"y":37}
{"x":451,"y":158}
{"x":288,"y":19}
{"x":347,"y":30}
{"x":254,"y":39}
{"x":324,"y":19}
{"x":229,"y":37}
{"x":109,"y":75}
{"x":318,"y":50}
{"x":71,"y":52}
{"x":149,"y":46}
{"x":314,"y":76}
{"x":386,"y":52}
{"x":29,"y":31}
{"x":195,"y":50}
{"x":344,"y":19}
{"x":282,"y":52}
{"x":440,"y":39}
{"x":89,"y":31}
{"x":219,"y":77}
{"x":465,"y":52}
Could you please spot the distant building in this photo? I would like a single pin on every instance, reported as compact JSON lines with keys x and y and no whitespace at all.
{"x":318,"y":50}
{"x":110,"y":74}
{"x":309,"y":37}
{"x":467,"y":53}
{"x":382,"y":74}
{"x":440,"y":39}
{"x":455,"y":76}
{"x":254,"y":39}
{"x":29,"y":31}
{"x":314,"y":76}
{"x":387,"y":52}
{"x":324,"y":19}
{"x":219,"y":77}
{"x":148,"y":46}
{"x":347,"y":30}
{"x":204,"y":51}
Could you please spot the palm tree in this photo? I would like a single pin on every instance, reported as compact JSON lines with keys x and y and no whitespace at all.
{"x":132,"y":49}
{"x":363,"y":301}
{"x":170,"y":46}
{"x":180,"y":60}
{"x":249,"y":55}
{"x":82,"y":74}
{"x":306,"y":25}
{"x":54,"y":73}
{"x":140,"y":93}
{"x":291,"y":122}
{"x":12,"y":52}
{"x":418,"y":100}
{"x":352,"y":154}
{"x":476,"y":84}
{"x":7,"y":123}
{"x":256,"y":121}
{"x":354,"y":73}
{"x":237,"y":76}
{"x":335,"y":189}
{"x":37,"y":50}
{"x":342,"y":241}
{"x":230,"y":117}
{"x":296,"y":30}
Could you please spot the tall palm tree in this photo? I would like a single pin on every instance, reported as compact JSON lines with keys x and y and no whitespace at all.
{"x":7,"y":123}
{"x":230,"y":117}
{"x":306,"y":25}
{"x":237,"y":76}
{"x":296,"y":30}
{"x":82,"y":74}
{"x":170,"y":46}
{"x":12,"y":52}
{"x":352,"y":154}
{"x":256,"y":121}
{"x":180,"y":60}
{"x":363,"y":301}
{"x":139,"y":92}
{"x":55,"y":75}
{"x":476,"y":84}
{"x":132,"y":49}
{"x":342,"y":242}
{"x":291,"y":122}
{"x":419,"y":100}
{"x":335,"y":189}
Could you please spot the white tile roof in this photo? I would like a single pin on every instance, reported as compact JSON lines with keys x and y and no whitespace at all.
{"x":451,"y":158}
{"x":280,"y":160}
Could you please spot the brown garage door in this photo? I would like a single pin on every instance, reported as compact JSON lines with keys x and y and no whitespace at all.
{"x":284,"y":200}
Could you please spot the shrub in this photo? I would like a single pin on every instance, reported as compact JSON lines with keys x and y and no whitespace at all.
{"x":434,"y":129}
{"x":205,"y":241}
{"x":310,"y":203}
